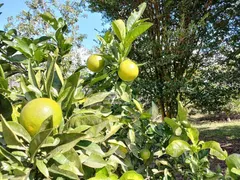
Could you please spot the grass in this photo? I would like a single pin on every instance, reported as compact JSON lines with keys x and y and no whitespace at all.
{"x":219,"y":130}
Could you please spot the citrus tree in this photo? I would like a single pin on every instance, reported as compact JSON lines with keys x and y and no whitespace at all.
{"x":55,"y":126}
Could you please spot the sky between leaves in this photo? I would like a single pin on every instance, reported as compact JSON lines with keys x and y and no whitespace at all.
{"x":87,"y":25}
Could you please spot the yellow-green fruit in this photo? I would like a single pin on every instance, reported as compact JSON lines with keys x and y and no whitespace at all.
{"x":128,"y":70}
{"x":113,"y":177}
{"x":145,"y":154}
{"x":131,"y":175}
{"x":95,"y":63}
{"x":36,"y":111}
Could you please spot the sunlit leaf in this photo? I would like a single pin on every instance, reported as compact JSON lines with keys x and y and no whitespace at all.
{"x":9,"y":156}
{"x":49,"y":18}
{"x":42,"y":168}
{"x":119,"y":29}
{"x":135,"y":15}
{"x":193,"y":135}
{"x":177,"y":147}
{"x":182,"y":112}
{"x":8,"y":134}
{"x":134,"y":33}
{"x":57,"y":171}
{"x":19,"y":130}
{"x":95,"y":161}
{"x":215,"y":149}
{"x":96,"y":98}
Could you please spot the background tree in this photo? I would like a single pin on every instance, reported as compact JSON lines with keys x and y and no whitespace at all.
{"x":213,"y":88}
{"x":185,"y":36}
{"x":1,"y":4}
{"x":29,"y":23}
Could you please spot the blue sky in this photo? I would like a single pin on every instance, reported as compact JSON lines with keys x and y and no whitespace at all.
{"x":87,"y":25}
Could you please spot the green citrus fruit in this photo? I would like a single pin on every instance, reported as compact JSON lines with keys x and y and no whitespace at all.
{"x":145,"y":154}
{"x":95,"y":63}
{"x":113,"y":177}
{"x":36,"y":111}
{"x":128,"y":70}
{"x":131,"y":175}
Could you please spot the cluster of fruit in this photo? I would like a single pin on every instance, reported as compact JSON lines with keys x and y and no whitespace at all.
{"x":128,"y":70}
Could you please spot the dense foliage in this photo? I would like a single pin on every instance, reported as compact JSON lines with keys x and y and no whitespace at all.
{"x":106,"y":133}
{"x":188,"y":38}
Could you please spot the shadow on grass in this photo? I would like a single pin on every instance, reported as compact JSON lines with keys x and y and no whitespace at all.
{"x":223,"y":133}
{"x":228,"y":136}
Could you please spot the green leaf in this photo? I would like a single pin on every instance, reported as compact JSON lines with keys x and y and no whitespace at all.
{"x":95,"y":161}
{"x":193,"y":135}
{"x":124,"y":92}
{"x":135,"y":15}
{"x":3,"y":83}
{"x":31,"y":74}
{"x":60,"y":38}
{"x":233,"y":160}
{"x":69,"y":157}
{"x":119,"y":29}
{"x":70,"y":167}
{"x":42,"y":168}
{"x":49,"y":18}
{"x":50,"y":75}
{"x":134,"y":33}
{"x":138,"y":105}
{"x":67,"y":142}
{"x":182,"y":111}
{"x":64,"y":94}
{"x":174,"y":126}
{"x":235,"y":171}
{"x":5,"y":106}
{"x":29,"y":95}
{"x":98,"y":78}
{"x":22,"y":45}
{"x":233,"y":164}
{"x":131,"y":135}
{"x":50,"y":142}
{"x":91,"y":147}
{"x":47,"y":124}
{"x":16,"y":58}
{"x":115,"y":161}
{"x":73,"y":157}
{"x":19,"y":130}
{"x":72,"y":82}
{"x":215,"y":149}
{"x":59,"y":73}
{"x":96,"y":129}
{"x":78,"y":94}
{"x":9,"y":136}
{"x":113,"y":129}
{"x":9,"y":156}
{"x":38,"y":55}
{"x":80,"y":129}
{"x":177,"y":147}
{"x":64,"y":173}
{"x":41,"y":39}
{"x":81,"y":119}
{"x":37,"y":142}
{"x":96,"y":98}
{"x":102,"y":172}
{"x":2,"y":75}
